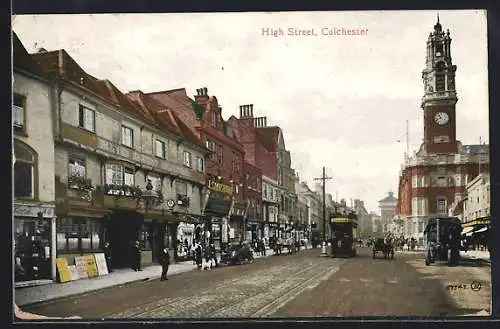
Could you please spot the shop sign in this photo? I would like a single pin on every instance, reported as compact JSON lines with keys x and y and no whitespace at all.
{"x":63,"y":270}
{"x":91,"y":266}
{"x":218,"y":187}
{"x":217,"y":206}
{"x":81,"y":267}
{"x":100,"y":260}
{"x":23,"y":210}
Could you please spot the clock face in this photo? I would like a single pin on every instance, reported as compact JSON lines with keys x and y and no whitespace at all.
{"x":441,"y":118}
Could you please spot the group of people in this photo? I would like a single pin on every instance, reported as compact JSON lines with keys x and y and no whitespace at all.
{"x":135,"y":258}
{"x":204,"y":256}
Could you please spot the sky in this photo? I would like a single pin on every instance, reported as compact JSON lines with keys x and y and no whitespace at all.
{"x":342,"y":101}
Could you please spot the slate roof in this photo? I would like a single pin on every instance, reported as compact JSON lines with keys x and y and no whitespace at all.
{"x":165,"y":117}
{"x":268,"y":136}
{"x":22,"y":60}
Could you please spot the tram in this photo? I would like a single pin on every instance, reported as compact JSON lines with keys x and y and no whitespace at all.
{"x":344,"y":235}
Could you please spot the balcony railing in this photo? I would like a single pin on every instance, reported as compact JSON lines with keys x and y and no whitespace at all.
{"x":110,"y":148}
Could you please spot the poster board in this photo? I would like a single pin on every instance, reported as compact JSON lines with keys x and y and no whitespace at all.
{"x":74,"y":272}
{"x":63,"y":270}
{"x":91,"y":266}
{"x":102,"y":268}
{"x":81,"y":267}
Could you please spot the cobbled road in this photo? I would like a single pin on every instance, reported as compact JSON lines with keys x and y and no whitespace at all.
{"x":303,"y":284}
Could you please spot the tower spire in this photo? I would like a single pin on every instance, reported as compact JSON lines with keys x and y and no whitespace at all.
{"x":438,"y":17}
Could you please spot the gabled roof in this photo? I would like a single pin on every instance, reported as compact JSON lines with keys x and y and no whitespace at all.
{"x":178,"y":100}
{"x":165,"y":117}
{"x":60,"y":64}
{"x":125,"y":104}
{"x":268,"y":136}
{"x":22,"y":60}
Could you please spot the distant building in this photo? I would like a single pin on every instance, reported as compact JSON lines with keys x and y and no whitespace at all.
{"x":387,"y":208}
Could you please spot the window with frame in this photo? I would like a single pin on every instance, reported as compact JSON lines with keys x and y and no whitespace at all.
{"x":76,"y":169}
{"x":200,"y":163}
{"x":441,"y":206}
{"x":117,"y":174}
{"x":79,"y":234}
{"x":187,"y":159}
{"x":155,"y":181}
{"x":214,"y":119}
{"x":219,"y":154}
{"x":24,"y":170}
{"x":86,"y":118}
{"x":18,"y":112}
{"x":160,"y":149}
{"x":127,"y":136}
{"x":181,"y":188}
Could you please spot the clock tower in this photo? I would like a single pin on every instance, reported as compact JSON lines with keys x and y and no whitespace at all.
{"x":440,"y":97}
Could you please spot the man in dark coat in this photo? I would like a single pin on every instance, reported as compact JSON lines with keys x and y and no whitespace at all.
{"x":107,"y":255}
{"x":165,"y":262}
{"x":136,"y":257}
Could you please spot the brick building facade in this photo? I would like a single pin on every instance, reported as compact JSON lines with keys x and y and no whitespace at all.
{"x":224,"y":205}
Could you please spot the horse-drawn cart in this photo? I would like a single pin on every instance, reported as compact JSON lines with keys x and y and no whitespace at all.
{"x":385,"y":246}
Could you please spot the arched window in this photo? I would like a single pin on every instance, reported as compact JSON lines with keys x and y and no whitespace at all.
{"x":24,"y":170}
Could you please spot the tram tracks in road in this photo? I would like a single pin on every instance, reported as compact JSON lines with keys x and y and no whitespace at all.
{"x":238,"y":297}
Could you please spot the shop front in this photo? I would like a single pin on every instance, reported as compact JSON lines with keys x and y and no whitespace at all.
{"x":216,"y":213}
{"x":34,"y":250}
{"x":237,"y":222}
{"x":189,"y":230}
{"x":476,"y":234}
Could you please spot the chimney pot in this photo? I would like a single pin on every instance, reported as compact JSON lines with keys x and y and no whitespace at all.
{"x":205,"y":91}
{"x":251,"y":110}
{"x":265,"y":121}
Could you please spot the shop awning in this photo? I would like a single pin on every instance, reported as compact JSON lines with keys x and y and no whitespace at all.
{"x":467,"y":230}
{"x":482,"y":229}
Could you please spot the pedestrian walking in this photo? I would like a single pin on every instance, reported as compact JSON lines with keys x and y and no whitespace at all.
{"x":136,"y":257}
{"x":198,"y":255}
{"x":165,"y":262}
{"x":107,"y":256}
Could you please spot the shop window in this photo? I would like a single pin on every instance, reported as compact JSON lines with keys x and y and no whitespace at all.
{"x":24,"y":170}
{"x":79,"y":234}
{"x":145,"y":237}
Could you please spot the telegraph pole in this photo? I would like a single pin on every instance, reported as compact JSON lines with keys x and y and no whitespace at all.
{"x":323,"y":179}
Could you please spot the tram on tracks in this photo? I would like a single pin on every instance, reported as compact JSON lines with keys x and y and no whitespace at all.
{"x":344,"y":235}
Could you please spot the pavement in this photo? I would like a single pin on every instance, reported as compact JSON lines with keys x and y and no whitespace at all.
{"x":53,"y":291}
{"x":476,"y":254}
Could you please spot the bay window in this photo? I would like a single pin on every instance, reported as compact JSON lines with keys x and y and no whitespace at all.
{"x":117,"y":174}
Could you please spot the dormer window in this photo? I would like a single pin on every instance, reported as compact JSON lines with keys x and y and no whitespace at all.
{"x":214,"y":119}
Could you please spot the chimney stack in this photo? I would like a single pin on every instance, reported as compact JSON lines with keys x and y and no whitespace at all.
{"x":251,"y":110}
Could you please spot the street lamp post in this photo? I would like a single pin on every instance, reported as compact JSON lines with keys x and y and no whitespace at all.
{"x":324,"y":178}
